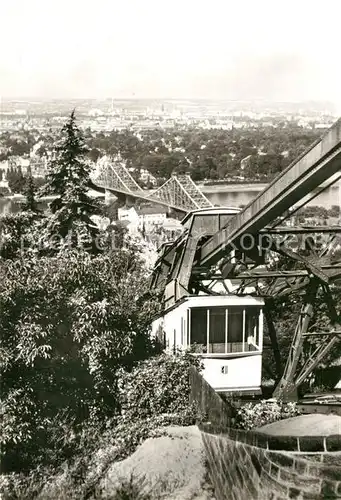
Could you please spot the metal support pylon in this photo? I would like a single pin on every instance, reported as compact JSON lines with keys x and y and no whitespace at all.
{"x":286,"y":386}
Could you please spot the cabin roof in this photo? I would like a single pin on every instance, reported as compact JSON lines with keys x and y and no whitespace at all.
{"x":211,"y":211}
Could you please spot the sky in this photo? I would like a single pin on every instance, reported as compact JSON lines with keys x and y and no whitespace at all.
{"x":217,"y":49}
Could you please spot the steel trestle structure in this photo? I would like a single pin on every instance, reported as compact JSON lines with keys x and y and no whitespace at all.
{"x":217,"y":252}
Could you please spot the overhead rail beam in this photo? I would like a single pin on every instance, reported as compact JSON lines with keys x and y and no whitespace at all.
{"x":301,"y":230}
{"x":315,"y":166}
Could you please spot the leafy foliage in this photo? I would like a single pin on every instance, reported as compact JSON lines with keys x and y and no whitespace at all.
{"x":157,"y":386}
{"x":250,"y":416}
{"x":75,"y":334}
{"x":16,"y":180}
{"x":92,"y":447}
{"x":17,"y":233}
{"x":208,"y":154}
{"x":67,"y":324}
{"x":211,"y":154}
{"x":285,"y":313}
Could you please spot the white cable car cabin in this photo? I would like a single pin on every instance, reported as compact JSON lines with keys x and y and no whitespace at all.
{"x":226,"y":329}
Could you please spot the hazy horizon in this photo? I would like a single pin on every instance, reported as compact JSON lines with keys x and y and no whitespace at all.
{"x":142,"y":49}
{"x":25,"y":98}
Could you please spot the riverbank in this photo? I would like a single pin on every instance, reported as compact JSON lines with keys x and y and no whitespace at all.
{"x":228,"y":188}
{"x":21,"y":197}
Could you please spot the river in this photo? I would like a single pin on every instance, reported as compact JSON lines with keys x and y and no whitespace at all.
{"x":237,"y":195}
{"x":8,"y":206}
{"x":226,"y":195}
{"x":13,"y":205}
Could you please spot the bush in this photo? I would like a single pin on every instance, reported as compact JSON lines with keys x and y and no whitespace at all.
{"x":67,"y":325}
{"x":17,"y":232}
{"x":251,"y":416}
{"x":156,"y":386}
{"x":93,"y":447}
{"x":4,"y":191}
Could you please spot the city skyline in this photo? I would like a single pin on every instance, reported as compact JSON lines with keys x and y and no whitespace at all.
{"x":221,"y":50}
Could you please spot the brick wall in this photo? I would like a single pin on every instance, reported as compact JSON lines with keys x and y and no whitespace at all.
{"x":250,"y":465}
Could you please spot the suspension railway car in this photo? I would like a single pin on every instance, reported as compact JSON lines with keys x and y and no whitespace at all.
{"x":226,"y":329}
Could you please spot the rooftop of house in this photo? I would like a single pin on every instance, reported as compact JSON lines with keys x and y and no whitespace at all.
{"x":152,"y":210}
{"x":125,"y":208}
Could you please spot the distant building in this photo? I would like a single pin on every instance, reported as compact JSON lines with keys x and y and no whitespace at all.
{"x":322,"y":125}
{"x":24,"y":163}
{"x":38,"y":166}
{"x":129,"y":217}
{"x":95,"y":112}
{"x":172,"y":224}
{"x":149,"y":217}
{"x":101,"y":222}
{"x":127,"y":214}
{"x":4,"y":165}
{"x":172,"y":228}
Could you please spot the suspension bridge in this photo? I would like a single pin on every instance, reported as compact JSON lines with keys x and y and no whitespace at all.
{"x":179,"y":192}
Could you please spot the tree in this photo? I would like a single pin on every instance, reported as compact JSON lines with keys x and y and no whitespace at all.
{"x":94,"y":154}
{"x":30,"y":203}
{"x":16,"y":180}
{"x":68,"y":323}
{"x":18,"y":232}
{"x":68,"y":179}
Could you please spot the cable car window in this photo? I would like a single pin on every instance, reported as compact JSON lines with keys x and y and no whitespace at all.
{"x":217,"y":320}
{"x":235,"y":325}
{"x":224,"y":330}
{"x":252,"y":328}
{"x":199,"y":326}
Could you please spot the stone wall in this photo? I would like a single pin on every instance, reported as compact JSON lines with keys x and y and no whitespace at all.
{"x":250,"y":465}
{"x":210,"y":403}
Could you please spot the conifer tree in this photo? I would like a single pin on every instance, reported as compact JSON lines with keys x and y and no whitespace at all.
{"x":30,"y":203}
{"x":68,"y":179}
{"x":16,"y":181}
